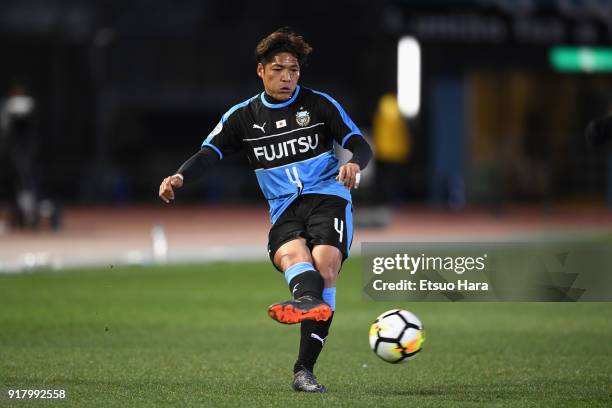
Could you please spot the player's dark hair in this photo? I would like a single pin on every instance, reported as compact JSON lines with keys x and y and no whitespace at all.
{"x":282,"y":40}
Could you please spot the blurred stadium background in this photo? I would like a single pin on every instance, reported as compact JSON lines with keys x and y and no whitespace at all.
{"x":101,"y":99}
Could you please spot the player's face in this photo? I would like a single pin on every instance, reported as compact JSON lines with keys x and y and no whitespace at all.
{"x":280,"y":76}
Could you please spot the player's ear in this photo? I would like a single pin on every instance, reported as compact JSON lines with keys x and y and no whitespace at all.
{"x":260,"y":70}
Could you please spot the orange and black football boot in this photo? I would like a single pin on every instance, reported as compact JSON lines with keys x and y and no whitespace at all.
{"x":300,"y":309}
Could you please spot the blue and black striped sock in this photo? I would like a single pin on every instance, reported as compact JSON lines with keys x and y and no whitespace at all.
{"x":303,"y":279}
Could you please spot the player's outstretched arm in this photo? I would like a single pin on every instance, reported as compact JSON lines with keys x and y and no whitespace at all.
{"x":350,"y":173}
{"x":190,"y":170}
{"x":167,"y":186}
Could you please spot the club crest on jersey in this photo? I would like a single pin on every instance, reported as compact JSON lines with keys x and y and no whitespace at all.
{"x":302,"y":118}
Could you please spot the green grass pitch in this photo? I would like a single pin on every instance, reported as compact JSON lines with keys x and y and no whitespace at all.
{"x":199,"y":335}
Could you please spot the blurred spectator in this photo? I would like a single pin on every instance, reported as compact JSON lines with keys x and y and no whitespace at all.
{"x":392,"y":147}
{"x":19,"y":143}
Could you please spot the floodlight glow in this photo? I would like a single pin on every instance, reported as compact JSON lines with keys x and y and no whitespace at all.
{"x":409,"y":76}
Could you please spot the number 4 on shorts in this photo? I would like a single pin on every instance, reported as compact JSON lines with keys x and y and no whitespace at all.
{"x":339,"y":227}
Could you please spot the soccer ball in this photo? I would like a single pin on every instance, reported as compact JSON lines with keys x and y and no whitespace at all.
{"x":397,"y":336}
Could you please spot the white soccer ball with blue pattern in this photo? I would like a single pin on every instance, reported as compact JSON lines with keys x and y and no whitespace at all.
{"x":397,"y":336}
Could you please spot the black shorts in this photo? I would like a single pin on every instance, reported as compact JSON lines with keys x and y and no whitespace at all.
{"x":320,"y":219}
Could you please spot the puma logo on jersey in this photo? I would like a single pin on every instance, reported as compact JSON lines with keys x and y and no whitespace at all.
{"x":262,"y":127}
{"x":287,"y":148}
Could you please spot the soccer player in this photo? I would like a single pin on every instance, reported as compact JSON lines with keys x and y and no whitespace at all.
{"x":288,"y":133}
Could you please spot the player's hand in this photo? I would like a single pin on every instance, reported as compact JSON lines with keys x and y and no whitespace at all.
{"x":350,"y":175}
{"x":166,"y":188}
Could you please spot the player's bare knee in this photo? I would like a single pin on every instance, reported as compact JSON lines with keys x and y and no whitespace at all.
{"x":292,"y":252}
{"x":286,"y":260}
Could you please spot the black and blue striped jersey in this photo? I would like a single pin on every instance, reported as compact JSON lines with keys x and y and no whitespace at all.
{"x":289,"y":144}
